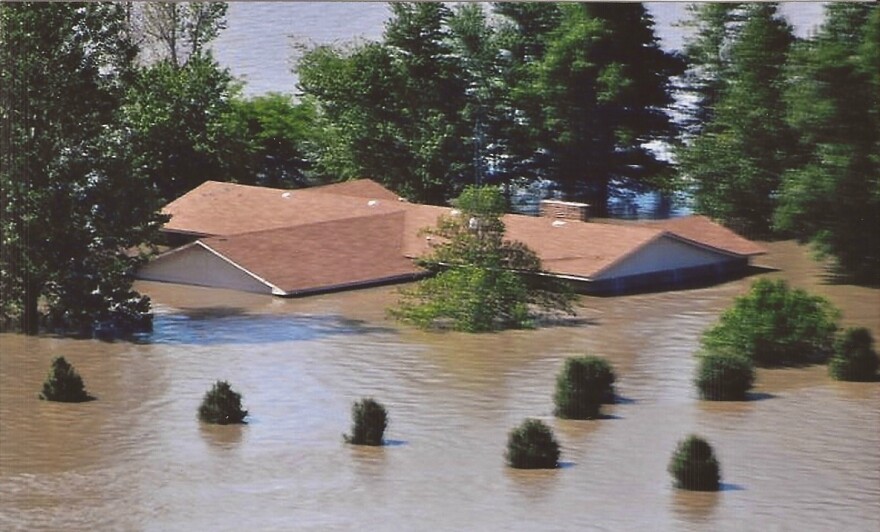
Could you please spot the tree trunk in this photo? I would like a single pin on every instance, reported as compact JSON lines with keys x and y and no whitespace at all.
{"x":30,"y":319}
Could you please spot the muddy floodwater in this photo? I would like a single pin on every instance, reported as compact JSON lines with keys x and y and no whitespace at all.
{"x":803,"y":454}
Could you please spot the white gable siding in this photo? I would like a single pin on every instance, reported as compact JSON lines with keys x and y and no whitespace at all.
{"x":196,"y":265}
{"x":663,"y":254}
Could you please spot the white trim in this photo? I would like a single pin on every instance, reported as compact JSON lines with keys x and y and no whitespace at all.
{"x":275,"y":290}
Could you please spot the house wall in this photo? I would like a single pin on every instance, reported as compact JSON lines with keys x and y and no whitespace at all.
{"x":663,"y":254}
{"x":198,"y":266}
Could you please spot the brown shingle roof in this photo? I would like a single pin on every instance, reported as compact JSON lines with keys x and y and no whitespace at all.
{"x":357,"y":232}
{"x":703,"y":231}
{"x":227,"y":209}
{"x":323,"y":255}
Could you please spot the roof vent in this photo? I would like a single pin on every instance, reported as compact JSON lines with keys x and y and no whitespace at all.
{"x":285,"y":195}
{"x":372,"y":203}
{"x":454,"y":212}
{"x":558,"y":223}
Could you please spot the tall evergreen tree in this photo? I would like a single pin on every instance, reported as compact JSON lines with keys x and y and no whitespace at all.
{"x":393,"y":109}
{"x":833,"y":199}
{"x":596,"y":97}
{"x":737,"y":160}
{"x":73,"y":203}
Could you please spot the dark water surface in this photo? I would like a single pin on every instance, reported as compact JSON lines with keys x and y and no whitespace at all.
{"x":804,"y":455}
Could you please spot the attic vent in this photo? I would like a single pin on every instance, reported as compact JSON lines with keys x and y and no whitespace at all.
{"x":566,"y":210}
{"x":372,"y":203}
{"x":558,"y":223}
{"x":285,"y":195}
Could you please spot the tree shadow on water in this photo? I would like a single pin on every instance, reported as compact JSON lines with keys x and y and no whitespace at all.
{"x":230,"y":325}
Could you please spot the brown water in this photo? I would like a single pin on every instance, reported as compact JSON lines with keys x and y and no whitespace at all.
{"x":805,"y":456}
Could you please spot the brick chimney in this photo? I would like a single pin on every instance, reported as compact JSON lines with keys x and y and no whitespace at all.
{"x":565,"y":210}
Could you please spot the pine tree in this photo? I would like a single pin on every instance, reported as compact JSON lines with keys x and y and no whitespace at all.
{"x":833,"y":199}
{"x":737,"y":161}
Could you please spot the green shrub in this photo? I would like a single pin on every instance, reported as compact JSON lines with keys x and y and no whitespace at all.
{"x":532,"y":446}
{"x":694,"y":467}
{"x":369,"y":420}
{"x":582,"y":386}
{"x":64,"y":384}
{"x":775,"y":325}
{"x":854,"y":356}
{"x":221,"y":405}
{"x":723,"y":377}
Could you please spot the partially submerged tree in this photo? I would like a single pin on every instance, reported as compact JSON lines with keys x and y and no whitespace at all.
{"x":834,"y":196}
{"x":221,"y":405}
{"x":532,"y":446}
{"x":369,"y":420}
{"x":483,"y":282}
{"x":74,"y":203}
{"x":854,"y":356}
{"x":582,"y":386}
{"x":64,"y":384}
{"x":694,"y":466}
{"x":775,"y":325}
{"x":737,"y":159}
{"x":724,"y":377}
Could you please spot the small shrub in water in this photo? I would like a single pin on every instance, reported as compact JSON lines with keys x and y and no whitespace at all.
{"x":694,"y":467}
{"x":854,"y":356}
{"x":64,"y":384}
{"x":582,"y":386}
{"x":221,"y":405}
{"x":532,"y":446}
{"x":722,"y":377}
{"x":369,"y":420}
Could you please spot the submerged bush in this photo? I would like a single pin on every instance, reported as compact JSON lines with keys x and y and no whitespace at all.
{"x":723,"y":377}
{"x":221,"y":405}
{"x":64,"y":384}
{"x":694,"y":466}
{"x":775,"y":325}
{"x":582,"y":386}
{"x":532,"y":446}
{"x":854,"y":356}
{"x":369,"y":420}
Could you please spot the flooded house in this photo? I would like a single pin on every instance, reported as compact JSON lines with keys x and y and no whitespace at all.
{"x":357,"y":234}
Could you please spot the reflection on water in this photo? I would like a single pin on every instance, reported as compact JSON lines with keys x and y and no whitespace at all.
{"x":223,"y":325}
{"x":803,"y":454}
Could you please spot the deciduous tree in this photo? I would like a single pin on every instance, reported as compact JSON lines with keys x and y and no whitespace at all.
{"x":74,"y":205}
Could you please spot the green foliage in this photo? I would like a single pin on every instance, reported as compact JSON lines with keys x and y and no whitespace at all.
{"x":593,"y":96}
{"x":775,"y":325}
{"x":694,"y":466}
{"x":582,"y":386}
{"x":724,"y":377}
{"x":64,"y":384}
{"x":532,"y":446}
{"x":854,"y":356}
{"x":368,"y":423}
{"x":74,"y":201}
{"x":393,"y":110}
{"x":278,"y":134}
{"x":481,"y":283}
{"x":181,"y":124}
{"x":222,"y":405}
{"x":737,"y":159}
{"x":834,"y":195}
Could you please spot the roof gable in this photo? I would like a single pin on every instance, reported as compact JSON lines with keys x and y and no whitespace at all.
{"x":322,"y":256}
